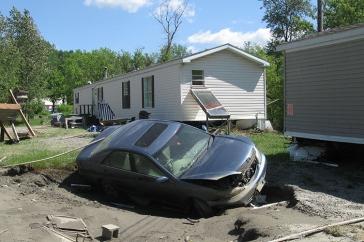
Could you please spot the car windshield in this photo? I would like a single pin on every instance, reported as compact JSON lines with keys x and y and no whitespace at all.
{"x":182,"y":150}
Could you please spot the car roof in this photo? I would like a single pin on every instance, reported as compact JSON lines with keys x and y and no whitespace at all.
{"x":127,"y":135}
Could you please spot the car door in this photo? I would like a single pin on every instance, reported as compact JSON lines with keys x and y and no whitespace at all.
{"x":149,"y":182}
{"x":117,"y":170}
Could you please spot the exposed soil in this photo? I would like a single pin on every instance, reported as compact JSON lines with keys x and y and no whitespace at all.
{"x":317,"y":195}
{"x":328,"y":192}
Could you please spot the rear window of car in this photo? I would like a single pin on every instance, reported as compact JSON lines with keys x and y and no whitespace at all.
{"x":151,"y":135}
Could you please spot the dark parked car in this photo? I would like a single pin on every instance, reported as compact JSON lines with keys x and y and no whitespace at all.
{"x":175,"y":163}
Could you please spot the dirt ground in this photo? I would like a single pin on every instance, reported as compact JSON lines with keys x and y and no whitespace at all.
{"x":317,"y":195}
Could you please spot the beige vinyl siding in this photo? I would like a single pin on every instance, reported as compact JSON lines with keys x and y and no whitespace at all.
{"x":326,"y":87}
{"x":238,"y":83}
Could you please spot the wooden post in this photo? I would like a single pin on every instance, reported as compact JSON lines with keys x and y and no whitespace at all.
{"x":22,"y":115}
{"x":5,"y":131}
{"x":16,"y":136}
{"x":2,"y":135}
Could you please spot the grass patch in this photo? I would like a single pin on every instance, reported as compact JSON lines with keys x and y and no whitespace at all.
{"x":273,"y":145}
{"x":48,"y":142}
{"x":51,"y":141}
{"x":66,"y":161}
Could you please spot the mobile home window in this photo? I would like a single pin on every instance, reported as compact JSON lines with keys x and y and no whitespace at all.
{"x":148,"y":92}
{"x":77,"y":97}
{"x":100,"y":94}
{"x":126,"y":94}
{"x":198,"y":78}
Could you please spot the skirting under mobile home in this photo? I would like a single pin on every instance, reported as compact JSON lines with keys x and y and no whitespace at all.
{"x":324,"y":86}
{"x":231,"y":80}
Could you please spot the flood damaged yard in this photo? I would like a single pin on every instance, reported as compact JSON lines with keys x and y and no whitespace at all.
{"x":316,"y":195}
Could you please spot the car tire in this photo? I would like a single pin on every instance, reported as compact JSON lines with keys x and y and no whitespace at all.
{"x":201,"y":208}
{"x":110,"y":190}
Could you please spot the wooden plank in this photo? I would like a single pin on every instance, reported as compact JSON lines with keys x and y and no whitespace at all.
{"x":8,"y":114}
{"x":22,"y":115}
{"x":9,"y":106}
{"x":15,"y":132}
{"x":5,"y":131}
{"x":2,"y":135}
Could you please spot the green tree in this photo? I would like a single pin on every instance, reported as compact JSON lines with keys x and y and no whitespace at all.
{"x":80,"y":67}
{"x":339,"y":13}
{"x":56,"y":84}
{"x":176,"y":51}
{"x":126,"y":61}
{"x":170,"y":16}
{"x":141,"y":60}
{"x":9,"y":62}
{"x":33,"y":52}
{"x":287,"y":19}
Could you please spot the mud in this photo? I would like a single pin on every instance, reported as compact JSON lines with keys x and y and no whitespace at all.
{"x":316,"y":195}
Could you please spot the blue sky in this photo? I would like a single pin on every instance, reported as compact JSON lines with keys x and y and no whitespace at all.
{"x":129,"y":24}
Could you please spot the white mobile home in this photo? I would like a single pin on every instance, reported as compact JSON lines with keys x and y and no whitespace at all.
{"x":216,"y":82}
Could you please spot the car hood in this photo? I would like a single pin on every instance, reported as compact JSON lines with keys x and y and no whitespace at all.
{"x":225,"y":156}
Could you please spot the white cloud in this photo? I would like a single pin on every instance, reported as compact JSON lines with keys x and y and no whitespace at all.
{"x":175,"y":5}
{"x":192,"y":49}
{"x":130,"y":6}
{"x":260,"y":36}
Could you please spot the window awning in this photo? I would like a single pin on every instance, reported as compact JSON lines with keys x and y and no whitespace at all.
{"x":209,"y":103}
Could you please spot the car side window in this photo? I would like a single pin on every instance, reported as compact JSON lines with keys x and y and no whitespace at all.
{"x":145,"y":166}
{"x":119,"y":160}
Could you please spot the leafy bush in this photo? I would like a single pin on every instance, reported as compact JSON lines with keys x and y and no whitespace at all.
{"x":34,"y":107}
{"x":65,"y":109}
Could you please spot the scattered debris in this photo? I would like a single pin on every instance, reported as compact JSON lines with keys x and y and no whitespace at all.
{"x":35,"y":225}
{"x":68,"y":227}
{"x":270,"y":205}
{"x":18,"y":170}
{"x":305,"y":153}
{"x":110,"y":231}
{"x":318,"y":229}
{"x":3,"y":231}
{"x":59,"y":234}
{"x":191,"y":221}
{"x":66,"y":222}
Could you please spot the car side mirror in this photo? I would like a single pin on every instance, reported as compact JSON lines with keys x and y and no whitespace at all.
{"x":161,"y":179}
{"x":203,"y":127}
